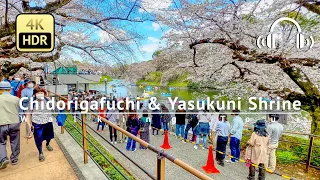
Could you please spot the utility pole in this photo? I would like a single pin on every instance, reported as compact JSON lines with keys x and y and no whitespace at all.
{"x":105,"y":86}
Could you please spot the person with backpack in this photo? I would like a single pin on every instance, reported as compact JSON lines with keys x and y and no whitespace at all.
{"x":40,"y":123}
{"x":192,"y":122}
{"x":165,"y":117}
{"x":202,"y":128}
{"x":144,"y":129}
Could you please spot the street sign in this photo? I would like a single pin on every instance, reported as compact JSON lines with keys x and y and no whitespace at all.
{"x":35,"y":32}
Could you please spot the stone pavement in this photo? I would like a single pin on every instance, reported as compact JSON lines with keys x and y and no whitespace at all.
{"x":185,"y":152}
{"x":54,"y":167}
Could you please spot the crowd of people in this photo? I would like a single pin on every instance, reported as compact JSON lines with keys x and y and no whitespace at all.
{"x":261,"y":147}
{"x":38,"y":122}
{"x":204,"y":126}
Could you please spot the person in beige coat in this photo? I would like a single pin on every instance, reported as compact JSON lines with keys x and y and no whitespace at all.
{"x":257,"y":148}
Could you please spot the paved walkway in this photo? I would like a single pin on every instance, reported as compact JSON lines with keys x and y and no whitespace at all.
{"x":185,"y":152}
{"x":54,"y":167}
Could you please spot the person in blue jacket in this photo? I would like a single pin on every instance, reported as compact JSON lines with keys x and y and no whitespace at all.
{"x":16,"y":85}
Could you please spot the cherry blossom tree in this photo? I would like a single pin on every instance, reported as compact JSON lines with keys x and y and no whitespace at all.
{"x":229,"y":29}
{"x":98,"y":31}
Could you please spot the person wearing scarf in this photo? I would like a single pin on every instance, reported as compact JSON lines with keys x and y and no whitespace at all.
{"x":256,"y":151}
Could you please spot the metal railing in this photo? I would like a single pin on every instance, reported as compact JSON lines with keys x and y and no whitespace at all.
{"x":160,"y":154}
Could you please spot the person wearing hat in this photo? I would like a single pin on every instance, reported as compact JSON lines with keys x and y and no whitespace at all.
{"x":9,"y":125}
{"x":27,"y":93}
{"x":256,"y":151}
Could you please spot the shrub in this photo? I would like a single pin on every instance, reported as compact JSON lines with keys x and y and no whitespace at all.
{"x":286,"y":157}
{"x":107,"y":167}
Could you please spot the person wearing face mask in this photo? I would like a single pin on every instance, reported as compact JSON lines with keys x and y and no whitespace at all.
{"x":9,"y":125}
{"x":28,"y":93}
{"x":40,"y":122}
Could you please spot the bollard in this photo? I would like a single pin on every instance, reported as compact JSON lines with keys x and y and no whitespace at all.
{"x":84,"y":140}
{"x":309,"y":153}
{"x":160,"y":167}
{"x":62,"y":130}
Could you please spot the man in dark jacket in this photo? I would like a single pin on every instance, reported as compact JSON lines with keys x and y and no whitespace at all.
{"x":192,"y":122}
{"x":180,"y":122}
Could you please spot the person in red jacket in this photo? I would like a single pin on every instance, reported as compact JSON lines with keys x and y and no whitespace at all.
{"x":24,"y":85}
{"x":102,"y":113}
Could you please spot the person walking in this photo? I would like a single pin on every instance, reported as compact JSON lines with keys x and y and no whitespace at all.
{"x":40,"y":123}
{"x":27,"y":93}
{"x":235,"y":136}
{"x":122,"y":121}
{"x":133,"y":125}
{"x":192,"y":122}
{"x":256,"y":151}
{"x":9,"y":125}
{"x":275,"y":130}
{"x":113,"y":116}
{"x":156,"y":121}
{"x":180,"y":122}
{"x":202,"y":128}
{"x":144,"y":130}
{"x":222,"y":130}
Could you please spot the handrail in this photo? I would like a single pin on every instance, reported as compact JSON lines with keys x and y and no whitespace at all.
{"x":289,"y":132}
{"x":171,"y":158}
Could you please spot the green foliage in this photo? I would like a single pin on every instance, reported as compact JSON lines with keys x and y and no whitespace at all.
{"x":304,"y":22}
{"x":107,"y":167}
{"x":8,"y":31}
{"x":152,"y":79}
{"x":193,"y":85}
{"x":156,"y":53}
{"x":250,"y":18}
{"x":154,"y":76}
{"x":179,"y":81}
{"x":109,"y":78}
{"x":286,"y":157}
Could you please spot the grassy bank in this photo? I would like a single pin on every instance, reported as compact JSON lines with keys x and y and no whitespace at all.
{"x":106,"y":166}
{"x":109,"y":78}
{"x":154,"y":79}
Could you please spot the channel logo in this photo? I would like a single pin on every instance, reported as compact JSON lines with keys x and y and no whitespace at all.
{"x":270,"y":40}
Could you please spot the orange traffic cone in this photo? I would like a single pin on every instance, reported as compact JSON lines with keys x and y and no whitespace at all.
{"x":165,"y":144}
{"x":209,"y":167}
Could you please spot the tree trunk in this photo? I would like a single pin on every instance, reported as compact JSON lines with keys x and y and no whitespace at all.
{"x":315,"y":125}
{"x":6,"y":23}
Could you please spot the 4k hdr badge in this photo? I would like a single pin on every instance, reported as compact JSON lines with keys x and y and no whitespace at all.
{"x":35,"y":32}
